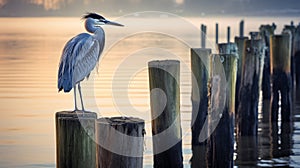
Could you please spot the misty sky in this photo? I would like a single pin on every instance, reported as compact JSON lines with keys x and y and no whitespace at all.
{"x":119,"y":7}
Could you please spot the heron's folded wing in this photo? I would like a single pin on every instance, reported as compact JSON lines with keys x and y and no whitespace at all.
{"x":85,"y":58}
{"x":67,"y":61}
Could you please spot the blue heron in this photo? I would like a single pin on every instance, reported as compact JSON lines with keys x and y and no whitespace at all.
{"x":81,"y":54}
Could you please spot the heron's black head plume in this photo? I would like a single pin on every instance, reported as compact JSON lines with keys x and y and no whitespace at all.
{"x":93,"y":15}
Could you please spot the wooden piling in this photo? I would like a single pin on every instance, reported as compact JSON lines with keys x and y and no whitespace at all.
{"x":228,"y":34}
{"x":228,"y":48}
{"x":200,"y":61}
{"x":222,"y":139}
{"x":75,"y":134}
{"x":266,"y":31}
{"x":242,"y":28}
{"x":240,"y":42}
{"x":165,"y":110}
{"x":217,"y":33}
{"x":120,"y":142}
{"x":255,"y":35}
{"x":203,"y":36}
{"x":247,"y":116}
{"x":297,"y":56}
{"x":281,"y":77}
{"x":247,"y":113}
{"x":291,"y":30}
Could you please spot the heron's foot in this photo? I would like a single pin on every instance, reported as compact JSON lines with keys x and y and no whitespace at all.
{"x":76,"y":109}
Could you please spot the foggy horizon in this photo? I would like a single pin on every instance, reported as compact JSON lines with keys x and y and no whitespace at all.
{"x":36,"y":8}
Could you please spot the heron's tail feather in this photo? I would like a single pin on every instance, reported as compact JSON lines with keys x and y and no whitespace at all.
{"x":65,"y":82}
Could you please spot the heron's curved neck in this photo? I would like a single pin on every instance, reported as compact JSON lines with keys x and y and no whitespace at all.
{"x":99,"y":33}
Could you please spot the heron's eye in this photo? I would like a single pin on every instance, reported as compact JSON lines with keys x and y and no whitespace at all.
{"x":103,"y":20}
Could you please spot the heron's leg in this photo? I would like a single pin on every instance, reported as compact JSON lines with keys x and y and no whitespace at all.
{"x":75,"y":98}
{"x":79,"y":88}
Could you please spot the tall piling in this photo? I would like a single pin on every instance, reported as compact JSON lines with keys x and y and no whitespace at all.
{"x":75,"y":134}
{"x":203,"y":36}
{"x":240,"y":42}
{"x":297,"y":56}
{"x":247,"y":116}
{"x":222,"y":139}
{"x":217,"y":33}
{"x":281,"y":77}
{"x":228,"y":34}
{"x":291,"y":30}
{"x":242,"y":28}
{"x":200,"y":62}
{"x":266,"y":31}
{"x":120,"y":142}
{"x":164,"y":79}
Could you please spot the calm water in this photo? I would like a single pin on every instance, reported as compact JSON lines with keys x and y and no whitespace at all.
{"x":29,"y":55}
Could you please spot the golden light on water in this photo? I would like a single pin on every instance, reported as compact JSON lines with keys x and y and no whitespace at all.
{"x":30,"y":50}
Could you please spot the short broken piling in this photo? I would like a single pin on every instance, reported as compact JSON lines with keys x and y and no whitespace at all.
{"x":120,"y":142}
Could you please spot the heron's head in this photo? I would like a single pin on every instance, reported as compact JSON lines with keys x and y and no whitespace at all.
{"x":98,"y":20}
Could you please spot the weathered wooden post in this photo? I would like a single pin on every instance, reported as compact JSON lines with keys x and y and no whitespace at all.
{"x":203,"y":36}
{"x":222,"y":139}
{"x":297,"y":56}
{"x":242,"y":28}
{"x":217,"y":33}
{"x":228,"y":48}
{"x":200,"y":61}
{"x":247,"y":116}
{"x":266,"y":31}
{"x":240,"y":42}
{"x":75,"y":134}
{"x":228,"y":34}
{"x":165,"y":110}
{"x":255,"y":35}
{"x":290,"y":30}
{"x":120,"y":142}
{"x":281,"y":77}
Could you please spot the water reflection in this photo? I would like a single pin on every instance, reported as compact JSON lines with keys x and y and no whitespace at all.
{"x":275,"y":140}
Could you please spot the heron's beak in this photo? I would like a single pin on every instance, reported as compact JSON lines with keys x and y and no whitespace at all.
{"x":113,"y":23}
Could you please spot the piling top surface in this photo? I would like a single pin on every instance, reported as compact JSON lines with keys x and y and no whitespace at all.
{"x":120,"y":120}
{"x":227,"y":48}
{"x":76,"y":114}
{"x":240,"y":38}
{"x":280,"y":36}
{"x":159,"y":63}
{"x":205,"y":50}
